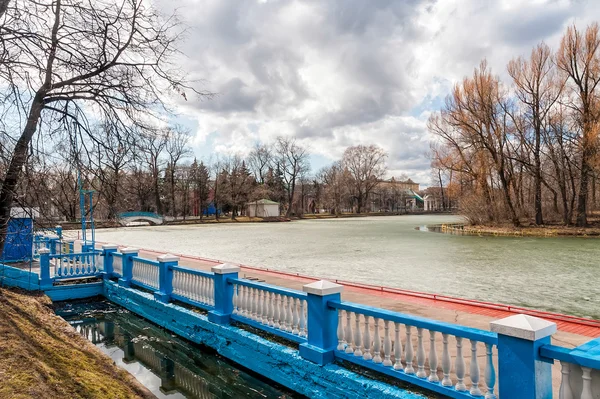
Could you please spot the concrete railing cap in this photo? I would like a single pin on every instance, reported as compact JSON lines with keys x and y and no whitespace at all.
{"x":43,"y":251}
{"x":225,"y":268}
{"x":110,"y":246}
{"x":52,"y":237}
{"x":524,"y":326}
{"x":129,"y":250}
{"x":168,"y":258}
{"x":322,"y":287}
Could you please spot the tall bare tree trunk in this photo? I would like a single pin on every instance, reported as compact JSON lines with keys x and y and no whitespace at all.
{"x":13,"y":173}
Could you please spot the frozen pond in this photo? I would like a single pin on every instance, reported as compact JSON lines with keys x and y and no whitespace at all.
{"x":555,"y":274}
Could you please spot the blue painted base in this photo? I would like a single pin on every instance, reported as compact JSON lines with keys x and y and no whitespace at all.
{"x":124,"y":283}
{"x":218,"y":318}
{"x":15,"y":277}
{"x":159,"y":296}
{"x":279,"y":363}
{"x":316,"y":354}
{"x":76,"y":291}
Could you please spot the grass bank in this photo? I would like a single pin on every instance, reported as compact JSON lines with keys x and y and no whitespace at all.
{"x":43,"y":357}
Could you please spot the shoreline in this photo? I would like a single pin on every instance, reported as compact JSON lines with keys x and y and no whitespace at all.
{"x":108,"y":224}
{"x":510,"y":231}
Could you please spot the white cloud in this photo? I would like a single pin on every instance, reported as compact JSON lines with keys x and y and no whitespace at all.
{"x":340,"y":73}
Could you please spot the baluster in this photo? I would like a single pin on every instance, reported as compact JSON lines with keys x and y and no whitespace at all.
{"x":376,"y":343}
{"x":288,"y":315}
{"x":204,"y":288}
{"x":357,"y":336}
{"x":460,"y":366}
{"x":211,"y":291}
{"x":387,"y":344}
{"x":433,"y":377}
{"x":586,"y":390}
{"x":474,"y":371}
{"x":565,"y":386}
{"x":260,"y":310}
{"x":349,"y":334}
{"x":277,"y":311}
{"x":367,"y":340}
{"x":446,"y":362}
{"x":296,"y":317}
{"x":397,"y":348}
{"x":490,"y":373}
{"x":194,"y":287}
{"x":340,"y":332}
{"x":253,"y":303}
{"x":269,"y":305}
{"x":243,"y":305}
{"x":235,"y":299}
{"x":266,"y":306}
{"x":303,"y":332}
{"x":409,"y":369}
{"x":420,"y":354}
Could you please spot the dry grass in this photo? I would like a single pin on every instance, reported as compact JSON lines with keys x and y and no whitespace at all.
{"x":43,"y":357}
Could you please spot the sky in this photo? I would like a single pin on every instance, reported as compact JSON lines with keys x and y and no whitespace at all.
{"x":341,"y":73}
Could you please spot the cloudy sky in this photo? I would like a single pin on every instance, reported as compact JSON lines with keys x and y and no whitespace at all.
{"x":341,"y":73}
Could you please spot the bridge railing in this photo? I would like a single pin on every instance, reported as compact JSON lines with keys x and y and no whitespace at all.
{"x":384,"y":341}
{"x":513,"y":360}
{"x":63,"y":266}
{"x":277,"y":310}
{"x":151,"y":215}
{"x":580,"y":369}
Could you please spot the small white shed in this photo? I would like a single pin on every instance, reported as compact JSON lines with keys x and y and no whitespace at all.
{"x":263,"y":208}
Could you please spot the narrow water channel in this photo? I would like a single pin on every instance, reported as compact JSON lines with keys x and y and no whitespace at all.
{"x":170,"y":367}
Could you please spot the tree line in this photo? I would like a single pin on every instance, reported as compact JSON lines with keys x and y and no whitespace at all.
{"x":157,"y":172}
{"x":527,"y":150}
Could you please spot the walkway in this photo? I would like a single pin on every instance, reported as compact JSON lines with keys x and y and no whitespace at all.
{"x":573,"y":331}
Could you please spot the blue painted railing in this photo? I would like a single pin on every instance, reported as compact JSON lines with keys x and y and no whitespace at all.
{"x":76,"y":265}
{"x":151,"y":215}
{"x":443,"y":358}
{"x":357,"y":322}
{"x":580,"y":369}
{"x":276,"y":310}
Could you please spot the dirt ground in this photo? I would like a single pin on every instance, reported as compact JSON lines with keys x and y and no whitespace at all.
{"x":43,"y":357}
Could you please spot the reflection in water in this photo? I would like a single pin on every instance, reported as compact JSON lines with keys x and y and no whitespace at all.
{"x":167,"y":365}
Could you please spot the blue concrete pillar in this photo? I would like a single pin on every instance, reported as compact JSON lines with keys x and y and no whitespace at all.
{"x":128,"y":254}
{"x":59,"y":231}
{"x":223,"y":293}
{"x":165,"y":277}
{"x":522,"y":373}
{"x":53,"y":243}
{"x":45,"y":279}
{"x":322,"y":322}
{"x":107,"y":251}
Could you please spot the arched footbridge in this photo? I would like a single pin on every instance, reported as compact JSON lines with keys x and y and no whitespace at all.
{"x":128,"y":217}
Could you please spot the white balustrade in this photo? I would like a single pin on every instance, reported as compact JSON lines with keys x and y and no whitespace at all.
{"x":195,"y":287}
{"x":360,"y":334}
{"x":75,"y":266}
{"x":145,"y":273}
{"x":578,"y":382}
{"x":118,"y":265}
{"x":276,"y":310}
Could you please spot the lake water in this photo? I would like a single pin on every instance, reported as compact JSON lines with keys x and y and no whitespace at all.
{"x":554,"y":274}
{"x":170,"y":367}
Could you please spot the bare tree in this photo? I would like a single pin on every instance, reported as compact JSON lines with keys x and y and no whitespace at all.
{"x":537,"y":90}
{"x":63,"y":58}
{"x":151,"y":145}
{"x":579,"y":59}
{"x":3,"y":6}
{"x":292,"y":160}
{"x":367,"y":167}
{"x":335,"y":181}
{"x":260,"y":161}
{"x":176,"y":148}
